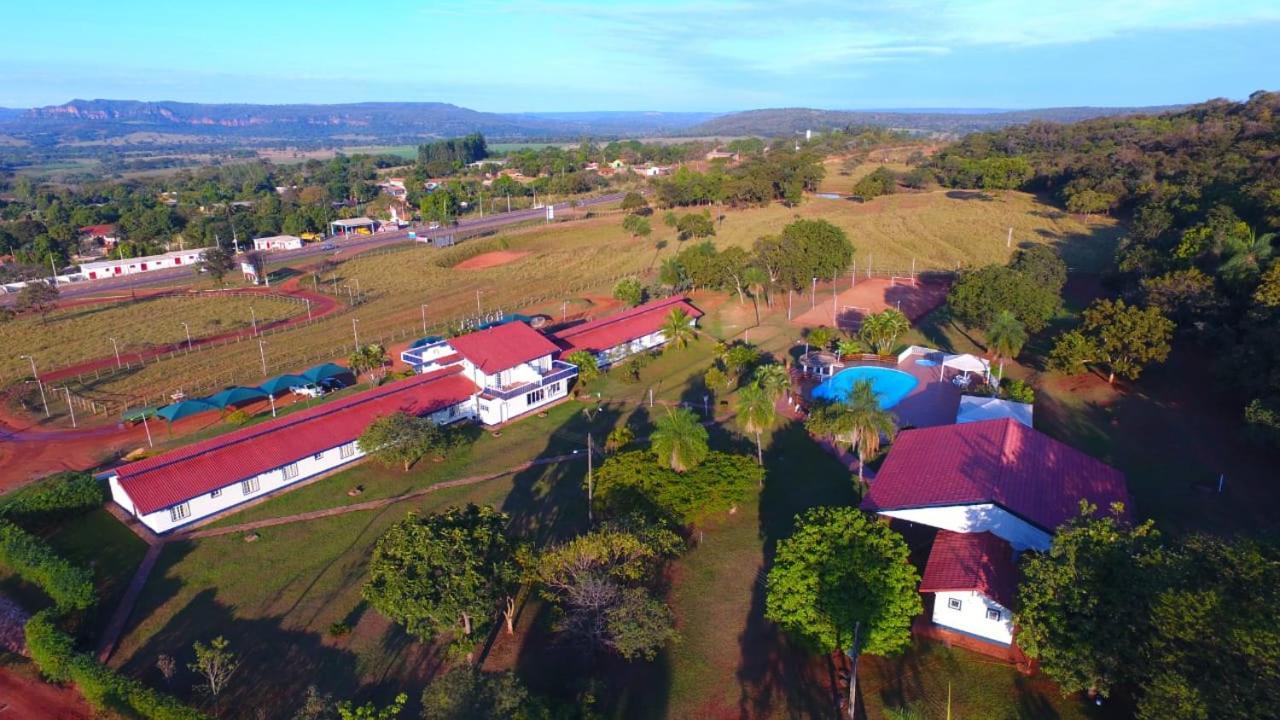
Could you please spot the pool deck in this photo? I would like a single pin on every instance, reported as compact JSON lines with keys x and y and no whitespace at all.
{"x":931,"y":402}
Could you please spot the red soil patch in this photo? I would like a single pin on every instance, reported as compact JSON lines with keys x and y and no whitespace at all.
{"x":25,"y":697}
{"x":868,"y":296}
{"x":491,"y":259}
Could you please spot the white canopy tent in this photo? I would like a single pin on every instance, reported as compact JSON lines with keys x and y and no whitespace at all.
{"x":966,"y":364}
{"x":976,"y":409}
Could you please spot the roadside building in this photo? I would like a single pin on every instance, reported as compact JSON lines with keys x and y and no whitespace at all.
{"x":353,"y":226}
{"x":102,"y":237}
{"x":131,"y":266}
{"x":200,"y":480}
{"x":615,"y":337}
{"x":731,"y":157}
{"x":277,"y":242}
{"x":512,"y":364}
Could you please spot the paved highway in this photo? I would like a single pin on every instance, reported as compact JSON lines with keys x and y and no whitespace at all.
{"x":469,"y":226}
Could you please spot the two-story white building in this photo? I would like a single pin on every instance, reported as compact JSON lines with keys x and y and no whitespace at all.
{"x":212,"y":476}
{"x":511,"y":363}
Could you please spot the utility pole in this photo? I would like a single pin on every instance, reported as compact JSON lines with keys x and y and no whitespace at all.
{"x":355,"y":332}
{"x":424,"y":318}
{"x":788,"y":303}
{"x":187,"y":329}
{"x":813,"y":294}
{"x":54,"y":270}
{"x":308,"y":301}
{"x":116,"y":349}
{"x":853,"y":672}
{"x":70,"y":409}
{"x":262,"y":353}
{"x":253,"y":318}
{"x":478,"y":311}
{"x":147,"y":428}
{"x":39,"y":384}
{"x":1008,"y":240}
{"x":590,"y":484}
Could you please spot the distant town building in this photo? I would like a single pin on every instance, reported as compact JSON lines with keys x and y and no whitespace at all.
{"x":277,"y":242}
{"x":356,"y":226}
{"x":130,"y":266}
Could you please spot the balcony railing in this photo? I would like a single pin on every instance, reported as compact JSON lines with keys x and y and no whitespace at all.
{"x":559,"y":371}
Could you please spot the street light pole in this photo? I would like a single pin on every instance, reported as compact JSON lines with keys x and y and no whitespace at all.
{"x":115,"y":348}
{"x":355,"y":332}
{"x":262,"y":353}
{"x":308,"y":300}
{"x":39,"y":384}
{"x":147,"y":428}
{"x":253,"y":318}
{"x":187,"y":328}
{"x":478,"y":310}
{"x":424,"y":318}
{"x":590,"y":483}
{"x":70,"y":409}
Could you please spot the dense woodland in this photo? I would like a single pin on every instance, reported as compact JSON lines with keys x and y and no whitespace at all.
{"x":1201,"y":192}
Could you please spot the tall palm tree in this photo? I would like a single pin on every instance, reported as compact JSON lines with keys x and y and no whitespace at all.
{"x":881,"y":330}
{"x":756,"y":414}
{"x":868,"y":422}
{"x":757,"y":281}
{"x":773,"y":379}
{"x":678,"y":329}
{"x":679,"y":440}
{"x":1005,"y":337}
{"x":1247,"y":253}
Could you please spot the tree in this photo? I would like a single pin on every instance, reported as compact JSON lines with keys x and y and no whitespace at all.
{"x":806,"y":249}
{"x":1246,"y":253}
{"x":820,"y":337}
{"x":632,"y":483}
{"x":858,"y":420}
{"x":678,"y":329}
{"x":464,"y":693}
{"x":773,"y":379}
{"x":757,"y":281}
{"x":1042,"y":264}
{"x":369,"y":711}
{"x":1126,"y":338}
{"x":400,"y":439}
{"x":443,"y":572}
{"x":695,"y":225}
{"x":1185,"y":296}
{"x":371,"y":358}
{"x":634,"y":203}
{"x":600,"y":583}
{"x":216,"y":262}
{"x":979,"y":295}
{"x":1005,"y":337}
{"x":215,"y":664}
{"x":588,"y":367}
{"x":881,"y":330}
{"x":757,"y":413}
{"x":1082,"y":606}
{"x":619,"y":438}
{"x":679,"y":440}
{"x":630,"y":291}
{"x":257,"y":261}
{"x":37,"y":295}
{"x":880,"y":181}
{"x":636,"y":225}
{"x":843,"y":581}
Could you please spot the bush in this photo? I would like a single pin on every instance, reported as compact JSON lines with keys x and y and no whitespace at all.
{"x":339,"y":629}
{"x":56,"y":497}
{"x":237,"y":418}
{"x":634,"y":482}
{"x":70,"y":587}
{"x":1018,"y":391}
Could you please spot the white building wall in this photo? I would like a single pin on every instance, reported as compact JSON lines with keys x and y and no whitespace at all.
{"x":972,"y":616}
{"x":978,"y":518}
{"x":493,"y":411}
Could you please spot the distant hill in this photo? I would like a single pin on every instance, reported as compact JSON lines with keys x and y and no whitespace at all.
{"x":786,"y":121}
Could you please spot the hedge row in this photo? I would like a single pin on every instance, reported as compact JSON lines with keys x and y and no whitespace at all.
{"x":59,"y":496}
{"x":70,"y":587}
{"x":54,"y":653}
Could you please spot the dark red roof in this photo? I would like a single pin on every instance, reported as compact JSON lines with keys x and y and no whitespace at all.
{"x":996,"y":461}
{"x":98,"y":230}
{"x":503,"y":346}
{"x":600,"y":335}
{"x":165,"y":480}
{"x":971,"y":561}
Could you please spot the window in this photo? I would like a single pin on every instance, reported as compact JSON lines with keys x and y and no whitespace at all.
{"x":290,"y":471}
{"x":535,"y":397}
{"x":250,"y":486}
{"x":347,"y":450}
{"x":953,"y":603}
{"x":553,"y":388}
{"x":179,"y":512}
{"x":993,"y":614}
{"x":216,"y":493}
{"x":318,"y":456}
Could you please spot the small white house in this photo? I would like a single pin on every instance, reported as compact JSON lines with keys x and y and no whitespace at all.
{"x":632,"y":331}
{"x":206,"y":478}
{"x":973,"y":579}
{"x":131,"y":266}
{"x":511,"y":363}
{"x":277,"y":242}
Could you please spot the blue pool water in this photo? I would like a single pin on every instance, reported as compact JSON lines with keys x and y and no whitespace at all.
{"x":889,"y":385}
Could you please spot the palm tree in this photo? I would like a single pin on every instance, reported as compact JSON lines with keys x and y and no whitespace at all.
{"x":757,"y":281}
{"x":773,"y":379}
{"x":881,"y":330}
{"x":368,"y":358}
{"x":867,"y":422}
{"x":821,"y":336}
{"x":848,"y":346}
{"x":1005,"y":337}
{"x":678,"y":329}
{"x":756,"y":414}
{"x":1247,"y":253}
{"x":679,"y":440}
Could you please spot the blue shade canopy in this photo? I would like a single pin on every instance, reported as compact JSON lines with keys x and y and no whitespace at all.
{"x":233,"y":395}
{"x":281,"y":383}
{"x":183,"y":408}
{"x":324,"y":372}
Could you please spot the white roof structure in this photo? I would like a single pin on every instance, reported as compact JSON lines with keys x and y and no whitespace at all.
{"x":353,"y":223}
{"x":966,"y":363}
{"x":974,"y":408}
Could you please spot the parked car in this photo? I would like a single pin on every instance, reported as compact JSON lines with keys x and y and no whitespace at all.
{"x":331,"y":384}
{"x":308,"y":390}
{"x":435,"y":225}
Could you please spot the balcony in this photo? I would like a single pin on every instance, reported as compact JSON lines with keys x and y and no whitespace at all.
{"x":559,"y":371}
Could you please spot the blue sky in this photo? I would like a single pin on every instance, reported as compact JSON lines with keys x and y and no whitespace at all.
{"x":714,"y":55}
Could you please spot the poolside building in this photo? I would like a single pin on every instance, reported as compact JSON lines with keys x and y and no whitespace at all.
{"x":632,"y":331}
{"x":973,"y":580}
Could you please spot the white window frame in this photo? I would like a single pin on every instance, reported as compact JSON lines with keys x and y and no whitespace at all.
{"x":535,"y":396}
{"x":181,"y":511}
{"x":954,"y":604}
{"x":289,"y":472}
{"x":318,"y":456}
{"x":216,"y":493}
{"x":347,"y":450}
{"x":250,"y":486}
{"x":998,"y":615}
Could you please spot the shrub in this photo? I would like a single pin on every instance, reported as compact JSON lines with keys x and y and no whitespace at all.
{"x":70,"y":587}
{"x":56,"y":497}
{"x":634,"y":482}
{"x":339,"y":629}
{"x":237,"y":418}
{"x":1018,"y":391}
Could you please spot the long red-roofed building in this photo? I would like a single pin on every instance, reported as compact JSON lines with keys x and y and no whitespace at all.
{"x":996,"y":475}
{"x":211,"y":476}
{"x":635,"y":330}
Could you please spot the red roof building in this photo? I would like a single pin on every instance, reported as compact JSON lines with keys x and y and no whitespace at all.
{"x":978,"y":562}
{"x":502,"y":347}
{"x":93,"y":231}
{"x":208,"y":468}
{"x":605,"y":334}
{"x":996,"y":475}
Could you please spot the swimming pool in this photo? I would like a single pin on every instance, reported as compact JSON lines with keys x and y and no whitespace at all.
{"x":889,"y":385}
